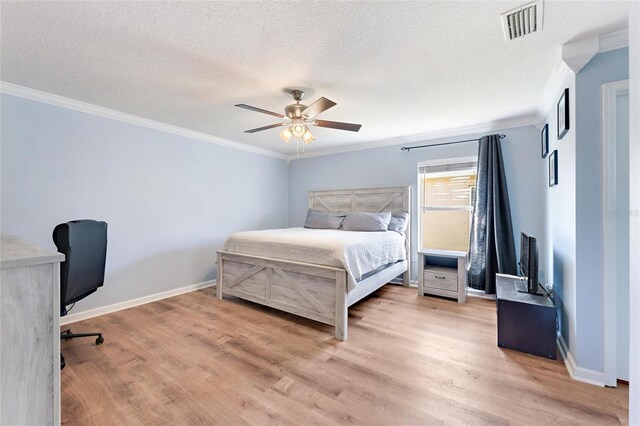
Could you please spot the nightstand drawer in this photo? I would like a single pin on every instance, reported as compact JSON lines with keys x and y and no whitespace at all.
{"x":441,"y":281}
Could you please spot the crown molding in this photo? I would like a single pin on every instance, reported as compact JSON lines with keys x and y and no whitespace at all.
{"x":509,"y":123}
{"x":574,"y":56}
{"x":578,"y":53}
{"x":613,"y":41}
{"x":75,"y":105}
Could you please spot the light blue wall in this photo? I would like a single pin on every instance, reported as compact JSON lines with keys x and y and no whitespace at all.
{"x":389,"y":166}
{"x":526,"y":181}
{"x":603,"y":68}
{"x":170,"y":201}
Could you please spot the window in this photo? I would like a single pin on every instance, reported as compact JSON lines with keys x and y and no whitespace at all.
{"x":447,"y":193}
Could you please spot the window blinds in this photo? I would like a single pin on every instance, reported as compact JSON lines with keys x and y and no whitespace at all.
{"x":448,"y":186}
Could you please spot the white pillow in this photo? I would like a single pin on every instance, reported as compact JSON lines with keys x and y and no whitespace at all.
{"x":368,"y":222}
{"x":323,"y":220}
{"x":399,"y":222}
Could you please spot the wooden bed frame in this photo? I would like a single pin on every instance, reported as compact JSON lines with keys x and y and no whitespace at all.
{"x":314,"y":291}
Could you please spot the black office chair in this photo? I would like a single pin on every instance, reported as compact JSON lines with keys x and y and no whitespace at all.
{"x":84,"y":244}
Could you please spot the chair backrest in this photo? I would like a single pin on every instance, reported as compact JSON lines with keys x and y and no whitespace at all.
{"x":84,"y":244}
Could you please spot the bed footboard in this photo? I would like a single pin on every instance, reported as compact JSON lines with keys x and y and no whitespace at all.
{"x":310,"y":291}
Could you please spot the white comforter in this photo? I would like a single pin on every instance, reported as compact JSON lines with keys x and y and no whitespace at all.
{"x":356,"y":252}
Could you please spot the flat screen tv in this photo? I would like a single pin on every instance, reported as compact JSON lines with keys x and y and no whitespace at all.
{"x":529,"y":263}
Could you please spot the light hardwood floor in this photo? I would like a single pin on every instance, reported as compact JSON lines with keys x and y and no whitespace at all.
{"x":193,"y":359}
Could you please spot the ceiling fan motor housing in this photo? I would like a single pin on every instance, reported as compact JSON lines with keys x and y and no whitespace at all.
{"x":294,"y":110}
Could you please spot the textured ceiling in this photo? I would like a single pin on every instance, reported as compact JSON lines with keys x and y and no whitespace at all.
{"x":398,"y":68}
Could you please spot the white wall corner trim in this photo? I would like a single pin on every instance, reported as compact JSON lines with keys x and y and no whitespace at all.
{"x":578,"y":373}
{"x":578,"y":53}
{"x":75,"y":105}
{"x":103,"y":310}
{"x":508,"y":123}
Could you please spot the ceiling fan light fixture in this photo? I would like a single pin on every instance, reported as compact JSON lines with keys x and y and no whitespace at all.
{"x":298,"y":130}
{"x":286,"y":135}
{"x":308,"y":137}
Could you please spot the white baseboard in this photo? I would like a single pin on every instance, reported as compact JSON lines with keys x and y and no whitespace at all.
{"x":91,"y":313}
{"x":578,"y":373}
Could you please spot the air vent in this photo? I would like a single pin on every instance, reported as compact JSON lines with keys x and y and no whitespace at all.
{"x":522,"y":21}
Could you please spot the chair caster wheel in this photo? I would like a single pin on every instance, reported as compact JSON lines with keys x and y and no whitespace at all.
{"x":99,"y":340}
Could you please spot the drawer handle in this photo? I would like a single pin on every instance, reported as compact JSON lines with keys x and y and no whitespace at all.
{"x":440,"y":278}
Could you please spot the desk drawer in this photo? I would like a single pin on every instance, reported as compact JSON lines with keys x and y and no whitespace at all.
{"x":441,"y":280}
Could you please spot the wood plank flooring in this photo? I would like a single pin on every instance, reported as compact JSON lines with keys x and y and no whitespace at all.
{"x":193,"y":359}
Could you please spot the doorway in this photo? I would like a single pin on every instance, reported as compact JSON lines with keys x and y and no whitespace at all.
{"x":616,"y":221}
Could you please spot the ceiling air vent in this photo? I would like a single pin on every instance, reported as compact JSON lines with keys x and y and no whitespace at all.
{"x":523,"y":20}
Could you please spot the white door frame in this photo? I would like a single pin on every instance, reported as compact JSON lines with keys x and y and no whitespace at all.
{"x":610,"y":92}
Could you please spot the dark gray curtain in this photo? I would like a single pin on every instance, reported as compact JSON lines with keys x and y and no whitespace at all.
{"x":491,"y":249}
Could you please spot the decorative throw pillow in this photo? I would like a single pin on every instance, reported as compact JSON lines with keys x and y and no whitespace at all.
{"x":399,"y":222}
{"x":368,"y":222}
{"x":323,"y":220}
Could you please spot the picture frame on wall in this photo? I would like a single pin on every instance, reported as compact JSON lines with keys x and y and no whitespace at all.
{"x":563,"y":114}
{"x":544,"y":140}
{"x":553,"y":168}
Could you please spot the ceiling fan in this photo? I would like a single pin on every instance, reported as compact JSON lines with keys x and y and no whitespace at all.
{"x":299,"y":117}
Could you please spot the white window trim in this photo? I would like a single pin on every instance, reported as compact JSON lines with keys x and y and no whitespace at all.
{"x":442,"y":161}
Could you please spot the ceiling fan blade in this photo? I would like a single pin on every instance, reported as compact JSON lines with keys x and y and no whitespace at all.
{"x":337,"y":125}
{"x":264,"y":111}
{"x":317,"y":107}
{"x":259,"y":129}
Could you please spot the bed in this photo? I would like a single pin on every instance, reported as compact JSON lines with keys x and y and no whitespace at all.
{"x":299,"y":271}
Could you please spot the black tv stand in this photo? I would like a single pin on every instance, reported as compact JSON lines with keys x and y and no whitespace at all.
{"x":521,"y":287}
{"x":526,"y":322}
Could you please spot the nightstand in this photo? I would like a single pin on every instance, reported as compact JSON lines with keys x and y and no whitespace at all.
{"x":443,"y":273}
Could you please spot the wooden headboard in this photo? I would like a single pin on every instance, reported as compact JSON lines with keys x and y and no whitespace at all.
{"x":376,"y":200}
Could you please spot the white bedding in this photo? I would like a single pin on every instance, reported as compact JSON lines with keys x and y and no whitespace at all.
{"x":356,"y":252}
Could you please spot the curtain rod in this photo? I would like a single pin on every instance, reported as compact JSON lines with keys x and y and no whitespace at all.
{"x":409,"y":148}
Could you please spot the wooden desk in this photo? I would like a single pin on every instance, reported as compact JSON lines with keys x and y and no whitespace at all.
{"x":30,"y":333}
{"x":526,"y":322}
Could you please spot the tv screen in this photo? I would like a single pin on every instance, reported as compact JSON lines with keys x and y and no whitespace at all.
{"x":529,"y":261}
